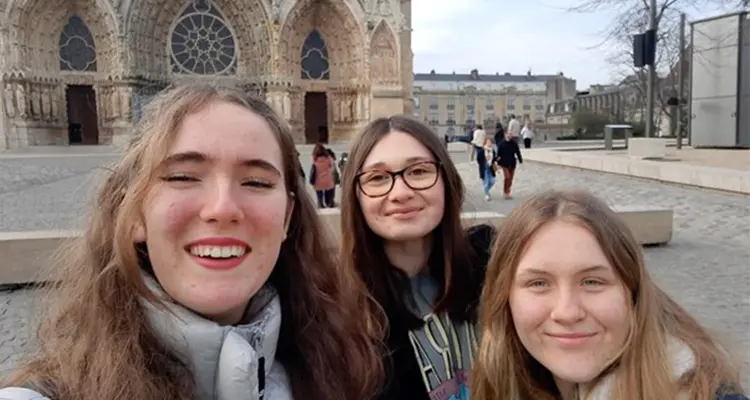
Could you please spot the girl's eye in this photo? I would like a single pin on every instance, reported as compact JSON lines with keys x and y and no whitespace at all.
{"x":179,"y":178}
{"x":259,"y":184}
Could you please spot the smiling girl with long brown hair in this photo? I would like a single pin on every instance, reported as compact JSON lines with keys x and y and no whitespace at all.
{"x":203,"y":273}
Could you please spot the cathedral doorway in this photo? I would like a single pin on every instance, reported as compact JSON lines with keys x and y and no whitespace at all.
{"x":316,"y":117}
{"x":82,"y":118}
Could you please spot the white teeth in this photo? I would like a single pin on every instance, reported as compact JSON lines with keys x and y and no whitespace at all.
{"x":217,"y":251}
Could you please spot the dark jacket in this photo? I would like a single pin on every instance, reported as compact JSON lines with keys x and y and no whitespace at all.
{"x":507,"y":152}
{"x":404,"y":377}
{"x":499,"y":133}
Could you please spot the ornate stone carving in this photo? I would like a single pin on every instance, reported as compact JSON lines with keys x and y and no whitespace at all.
{"x":125,"y":103}
{"x":45,"y":103}
{"x":114,"y":105}
{"x":384,"y":61}
{"x":9,"y":99}
{"x":390,"y":10}
{"x":56,"y":96}
{"x":276,"y":11}
{"x":21,"y":102}
{"x":131,"y":41}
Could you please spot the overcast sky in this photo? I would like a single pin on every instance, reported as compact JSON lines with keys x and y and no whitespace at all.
{"x":512,"y":36}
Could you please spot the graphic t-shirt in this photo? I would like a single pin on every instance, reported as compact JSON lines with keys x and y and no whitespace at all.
{"x":444,"y":350}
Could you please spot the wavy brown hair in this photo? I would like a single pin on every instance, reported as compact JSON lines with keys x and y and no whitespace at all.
{"x":362,"y":250}
{"x":505,"y":370}
{"x":95,"y":342}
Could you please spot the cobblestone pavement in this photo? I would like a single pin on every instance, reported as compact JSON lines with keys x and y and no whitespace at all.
{"x":706,"y":268}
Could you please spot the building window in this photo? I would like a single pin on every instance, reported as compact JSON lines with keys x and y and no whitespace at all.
{"x":201,"y":43}
{"x":77,"y":50}
{"x":315,"y":63}
{"x":526,"y":103}
{"x":540,"y":104}
{"x":511,"y":103}
{"x":489,"y":104}
{"x":433,"y":103}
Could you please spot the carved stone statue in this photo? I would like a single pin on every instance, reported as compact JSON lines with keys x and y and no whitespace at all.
{"x":338,"y":111}
{"x":360,"y":108}
{"x":46,"y":112}
{"x":276,"y":11}
{"x":36,"y":103}
{"x":287,"y":106}
{"x":349,"y":109}
{"x":125,"y":101}
{"x":103,"y":99}
{"x":114,"y":104}
{"x":10,"y":101}
{"x":383,"y":7}
{"x":55,"y":95}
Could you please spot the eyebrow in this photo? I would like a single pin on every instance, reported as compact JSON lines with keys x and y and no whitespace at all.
{"x":407,"y":162}
{"x":536,"y":271}
{"x":195,"y":157}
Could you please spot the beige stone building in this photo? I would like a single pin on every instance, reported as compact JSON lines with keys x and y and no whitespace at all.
{"x":454,"y":103}
{"x":79,"y":71}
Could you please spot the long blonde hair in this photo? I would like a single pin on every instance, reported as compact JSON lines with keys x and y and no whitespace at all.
{"x":95,"y":342}
{"x":505,"y":370}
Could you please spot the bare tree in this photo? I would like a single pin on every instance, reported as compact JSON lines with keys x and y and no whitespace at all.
{"x":631,"y":17}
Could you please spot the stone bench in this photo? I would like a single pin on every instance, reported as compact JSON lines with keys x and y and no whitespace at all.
{"x":649,"y":148}
{"x":24,"y":255}
{"x":650,"y":225}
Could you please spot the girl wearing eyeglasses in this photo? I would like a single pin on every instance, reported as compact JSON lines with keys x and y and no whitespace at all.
{"x":400,"y":211}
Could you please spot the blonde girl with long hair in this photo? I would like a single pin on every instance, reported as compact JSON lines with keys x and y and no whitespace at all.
{"x":569,"y":312}
{"x":203,"y":273}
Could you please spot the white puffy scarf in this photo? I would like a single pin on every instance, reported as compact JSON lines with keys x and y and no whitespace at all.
{"x":683,"y":361}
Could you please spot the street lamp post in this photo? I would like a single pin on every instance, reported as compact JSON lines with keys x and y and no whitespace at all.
{"x":651,"y":89}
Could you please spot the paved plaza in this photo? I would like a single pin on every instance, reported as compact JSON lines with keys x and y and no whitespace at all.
{"x":706,"y":267}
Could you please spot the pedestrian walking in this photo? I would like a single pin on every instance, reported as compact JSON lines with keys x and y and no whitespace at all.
{"x":489,"y":167}
{"x":527,"y":133}
{"x":507,"y":154}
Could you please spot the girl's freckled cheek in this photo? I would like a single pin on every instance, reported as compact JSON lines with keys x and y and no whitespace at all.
{"x":176,"y":215}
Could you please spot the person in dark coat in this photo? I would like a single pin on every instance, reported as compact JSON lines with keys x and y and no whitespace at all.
{"x":499,"y":133}
{"x":507,"y":153}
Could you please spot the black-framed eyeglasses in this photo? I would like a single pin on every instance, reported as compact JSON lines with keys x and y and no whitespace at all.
{"x":418,"y":176}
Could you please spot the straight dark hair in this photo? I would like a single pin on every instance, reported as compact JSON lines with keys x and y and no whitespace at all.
{"x":452,"y":255}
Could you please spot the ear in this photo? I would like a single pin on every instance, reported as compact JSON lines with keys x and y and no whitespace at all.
{"x":139,"y":233}
{"x":288,"y":216}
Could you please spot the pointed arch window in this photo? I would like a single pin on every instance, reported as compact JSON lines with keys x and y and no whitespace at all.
{"x":315,"y":57}
{"x":201,"y":42}
{"x":77,"y":50}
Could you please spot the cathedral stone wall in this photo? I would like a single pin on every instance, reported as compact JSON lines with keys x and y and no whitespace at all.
{"x":80,"y":71}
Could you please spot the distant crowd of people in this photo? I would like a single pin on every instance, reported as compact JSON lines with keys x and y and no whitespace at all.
{"x":500,"y":152}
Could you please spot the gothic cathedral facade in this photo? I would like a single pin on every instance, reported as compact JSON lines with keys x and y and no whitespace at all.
{"x":80,"y":71}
